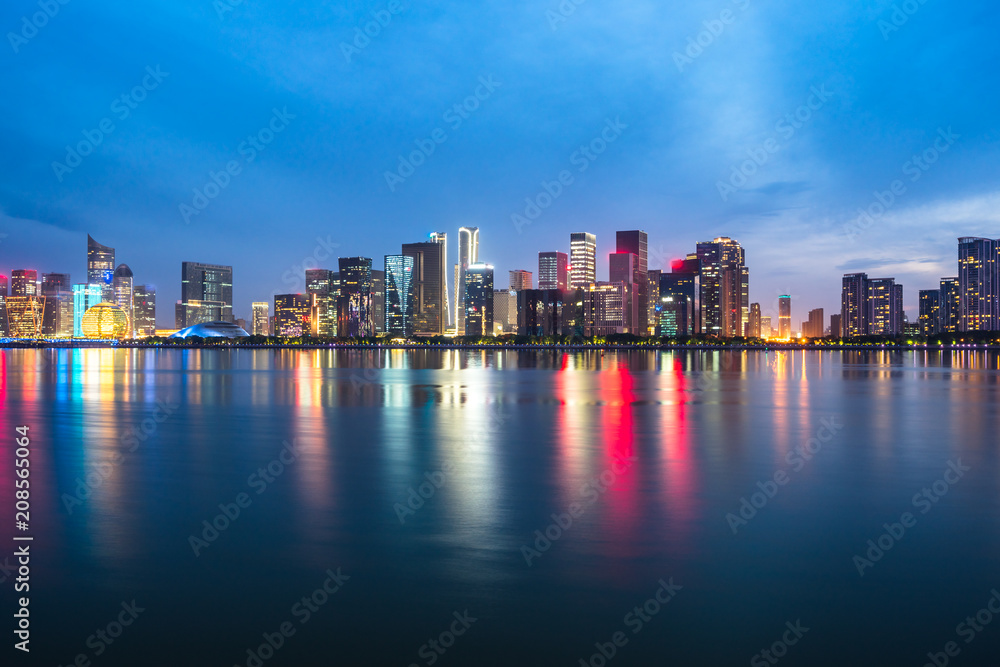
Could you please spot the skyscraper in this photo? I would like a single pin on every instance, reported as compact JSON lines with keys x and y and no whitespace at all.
{"x":583,"y":260}
{"x":885,"y":316}
{"x":144,"y":307}
{"x":3,"y":306}
{"x":378,"y":301}
{"x":123,"y":293}
{"x":355,"y":317}
{"x":468,"y":253}
{"x":430,"y":287}
{"x":85,"y":297}
{"x":679,"y":303}
{"x":951,"y":305}
{"x":24,"y":282}
{"x":323,"y":321}
{"x":623,"y":268}
{"x":25,"y":315}
{"x":978,"y":284}
{"x":754,"y":330}
{"x":292,"y":315}
{"x":101,"y":268}
{"x":57,"y":320}
{"x":552,"y":272}
{"x":479,"y":300}
{"x":723,"y":295}
{"x":399,"y":295}
{"x":605,"y":308}
{"x":260,"y":319}
{"x":206,"y":294}
{"x":854,"y":305}
{"x":505,"y":310}
{"x":636,"y":242}
{"x":3,"y":285}
{"x":836,"y":325}
{"x":521,"y":280}
{"x":814,"y":326}
{"x":652,"y":300}
{"x":784,"y":316}
{"x":930,"y":312}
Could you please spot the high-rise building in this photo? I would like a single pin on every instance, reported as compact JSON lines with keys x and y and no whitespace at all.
{"x":978,"y":277}
{"x":930,"y":312}
{"x":951,"y":305}
{"x":753,"y":326}
{"x":624,"y":268}
{"x":745,"y":299}
{"x":836,"y":325}
{"x":355,"y":316}
{"x":260,"y":323}
{"x":784,"y":316}
{"x":57,"y":320}
{"x":636,"y":242}
{"x":679,"y":294}
{"x":3,"y":307}
{"x":885,"y":312}
{"x":766,"y":328}
{"x":815,"y":325}
{"x":583,"y":260}
{"x":521,"y":280}
{"x":723,"y":275}
{"x":543,"y":313}
{"x":854,"y":305}
{"x":505,"y":311}
{"x":552,"y":271}
{"x":85,"y":297}
{"x":605,"y":308}
{"x":468,"y":253}
{"x":3,"y":285}
{"x":124,"y":295}
{"x":378,"y":301}
{"x":292,"y":315}
{"x":101,"y":268}
{"x":479,"y":300}
{"x":319,"y":284}
{"x":144,"y":307}
{"x":206,"y":294}
{"x":25,"y":316}
{"x":399,"y":287}
{"x":430,"y":287}
{"x":24,"y":282}
{"x":652,"y":300}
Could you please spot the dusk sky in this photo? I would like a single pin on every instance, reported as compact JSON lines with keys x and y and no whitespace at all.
{"x":684,"y":119}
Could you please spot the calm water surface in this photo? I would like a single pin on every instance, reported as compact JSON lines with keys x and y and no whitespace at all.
{"x":424,"y":476}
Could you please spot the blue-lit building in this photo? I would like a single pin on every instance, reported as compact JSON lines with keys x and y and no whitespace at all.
{"x":85,"y":297}
{"x":399,"y":295}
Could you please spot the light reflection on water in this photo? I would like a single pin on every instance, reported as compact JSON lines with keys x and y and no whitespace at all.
{"x":521,"y":434}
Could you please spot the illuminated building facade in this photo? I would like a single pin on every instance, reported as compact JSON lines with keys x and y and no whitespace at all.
{"x":754,"y":324}
{"x":124,"y":295}
{"x":854,"y":305}
{"x":25,"y":315}
{"x":725,"y":285}
{"x":930,"y":312}
{"x":292,"y":315}
{"x":784,"y":316}
{"x":378,"y":300}
{"x":583,"y":260}
{"x":552,"y":270}
{"x":101,"y":267}
{"x":605,"y":309}
{"x":144,"y":308}
{"x":636,"y":242}
{"x":542,"y":313}
{"x":206,"y":294}
{"x":479,"y":300}
{"x":355,"y":318}
{"x":885,"y":308}
{"x":260,"y":318}
{"x":319,"y":284}
{"x":652,"y":300}
{"x":505,"y":311}
{"x":624,"y":268}
{"x":85,"y":297}
{"x":57,"y":321}
{"x":105,"y":321}
{"x":399,"y":295}
{"x":430,"y":288}
{"x":978,"y":284}
{"x":24,"y":282}
{"x":468,"y":254}
{"x":951,"y":304}
{"x":680,"y":291}
{"x":814,"y":326}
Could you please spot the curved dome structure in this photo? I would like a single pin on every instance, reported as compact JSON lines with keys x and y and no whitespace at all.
{"x":105,"y":320}
{"x":212,"y":330}
{"x":123,"y":271}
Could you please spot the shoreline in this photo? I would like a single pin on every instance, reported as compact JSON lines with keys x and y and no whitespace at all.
{"x":776,"y":347}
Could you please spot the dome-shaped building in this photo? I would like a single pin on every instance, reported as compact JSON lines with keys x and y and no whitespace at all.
{"x":105,"y":320}
{"x":212,"y":330}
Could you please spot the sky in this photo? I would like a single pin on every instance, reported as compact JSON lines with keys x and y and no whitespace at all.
{"x":275,"y":136}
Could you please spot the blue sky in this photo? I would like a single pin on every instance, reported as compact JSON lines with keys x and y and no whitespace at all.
{"x":685,"y":119}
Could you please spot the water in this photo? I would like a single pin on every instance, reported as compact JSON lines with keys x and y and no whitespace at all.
{"x":498,"y":443}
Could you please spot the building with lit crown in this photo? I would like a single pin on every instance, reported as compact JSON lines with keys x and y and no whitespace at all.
{"x":583,"y":260}
{"x":479,"y":300}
